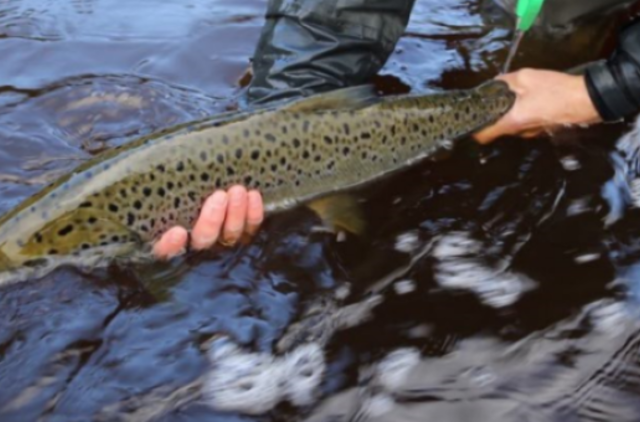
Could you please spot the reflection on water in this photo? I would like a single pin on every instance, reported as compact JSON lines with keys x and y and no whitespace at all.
{"x":508,"y":275}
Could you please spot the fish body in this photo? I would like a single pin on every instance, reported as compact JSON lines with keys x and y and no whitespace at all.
{"x":293,"y":154}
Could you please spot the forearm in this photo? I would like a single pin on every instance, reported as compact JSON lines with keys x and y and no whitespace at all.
{"x":614,"y":85}
{"x":311,"y":46}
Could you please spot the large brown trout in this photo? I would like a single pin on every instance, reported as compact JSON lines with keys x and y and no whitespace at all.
{"x":127,"y":197}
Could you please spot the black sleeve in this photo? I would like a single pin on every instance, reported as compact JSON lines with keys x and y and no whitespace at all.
{"x":311,"y":46}
{"x":614,"y":84}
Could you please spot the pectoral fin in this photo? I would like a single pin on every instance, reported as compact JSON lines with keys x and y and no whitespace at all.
{"x":340,"y":212}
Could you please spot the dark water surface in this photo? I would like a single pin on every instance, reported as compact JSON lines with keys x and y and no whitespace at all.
{"x":510,"y":273}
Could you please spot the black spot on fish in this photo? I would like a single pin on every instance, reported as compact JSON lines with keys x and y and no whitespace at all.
{"x":377,"y":124}
{"x":393,"y":130}
{"x":248,"y":180}
{"x":152,"y":177}
{"x":144,"y":228}
{"x":284,"y":129}
{"x":123,"y":193}
{"x":384,"y":140}
{"x":86,"y":204}
{"x":146,"y":191}
{"x":203,"y":155}
{"x":192,"y":195}
{"x":365,"y":135}
{"x":176,"y":202}
{"x":115,"y":238}
{"x":92,"y":220}
{"x":255,"y":154}
{"x":347,"y":129}
{"x":192,"y":177}
{"x":305,"y":154}
{"x":170,"y":185}
{"x":152,"y":222}
{"x":137,"y":204}
{"x":53,"y":252}
{"x":317,"y":158}
{"x":161,"y":192}
{"x":38,"y":237}
{"x":225,"y":139}
{"x":204,"y":177}
{"x":403,"y":140}
{"x":180,"y":166}
{"x":131,"y":218}
{"x":328,"y":140}
{"x":331,"y":165}
{"x":269,"y":137}
{"x":432,"y":119}
{"x":239,"y":153}
{"x":104,"y":243}
{"x":85,"y":246}
{"x":113,"y":208}
{"x":220,"y":158}
{"x":160,"y":168}
{"x":274,"y":167}
{"x":364,"y":155}
{"x":346,"y":151}
{"x":230,"y":171}
{"x":296,"y":142}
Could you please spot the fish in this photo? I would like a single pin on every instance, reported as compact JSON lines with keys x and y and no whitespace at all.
{"x":119,"y":202}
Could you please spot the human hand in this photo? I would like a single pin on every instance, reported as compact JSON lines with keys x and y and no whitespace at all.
{"x":229,"y":214}
{"x":545,"y":100}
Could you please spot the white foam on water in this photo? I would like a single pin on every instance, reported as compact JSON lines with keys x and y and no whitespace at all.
{"x":394,"y":370}
{"x":570,"y":163}
{"x":588,"y":257}
{"x":255,"y":383}
{"x":458,"y":266}
{"x":242,"y":382}
{"x":304,"y":371}
{"x":407,"y":242}
{"x":404,"y":287}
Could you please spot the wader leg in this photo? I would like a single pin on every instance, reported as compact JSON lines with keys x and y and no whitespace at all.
{"x":312,"y":46}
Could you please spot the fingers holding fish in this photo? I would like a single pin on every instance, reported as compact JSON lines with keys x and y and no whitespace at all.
{"x":172,"y":243}
{"x":209,"y":225}
{"x":546,"y":100}
{"x":225,"y":216}
{"x":255,"y":212}
{"x":235,"y":222}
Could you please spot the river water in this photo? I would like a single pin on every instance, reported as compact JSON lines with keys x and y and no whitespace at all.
{"x":509,"y":274}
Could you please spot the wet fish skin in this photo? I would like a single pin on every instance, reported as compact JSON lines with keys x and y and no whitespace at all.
{"x":292,"y":154}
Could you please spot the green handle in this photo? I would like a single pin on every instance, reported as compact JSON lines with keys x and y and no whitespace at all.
{"x":527,"y":12}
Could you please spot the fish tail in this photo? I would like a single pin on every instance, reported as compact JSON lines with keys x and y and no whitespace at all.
{"x":494,"y":88}
{"x":5,"y":263}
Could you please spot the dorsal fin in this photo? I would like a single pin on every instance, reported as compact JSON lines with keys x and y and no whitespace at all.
{"x":353,"y":97}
